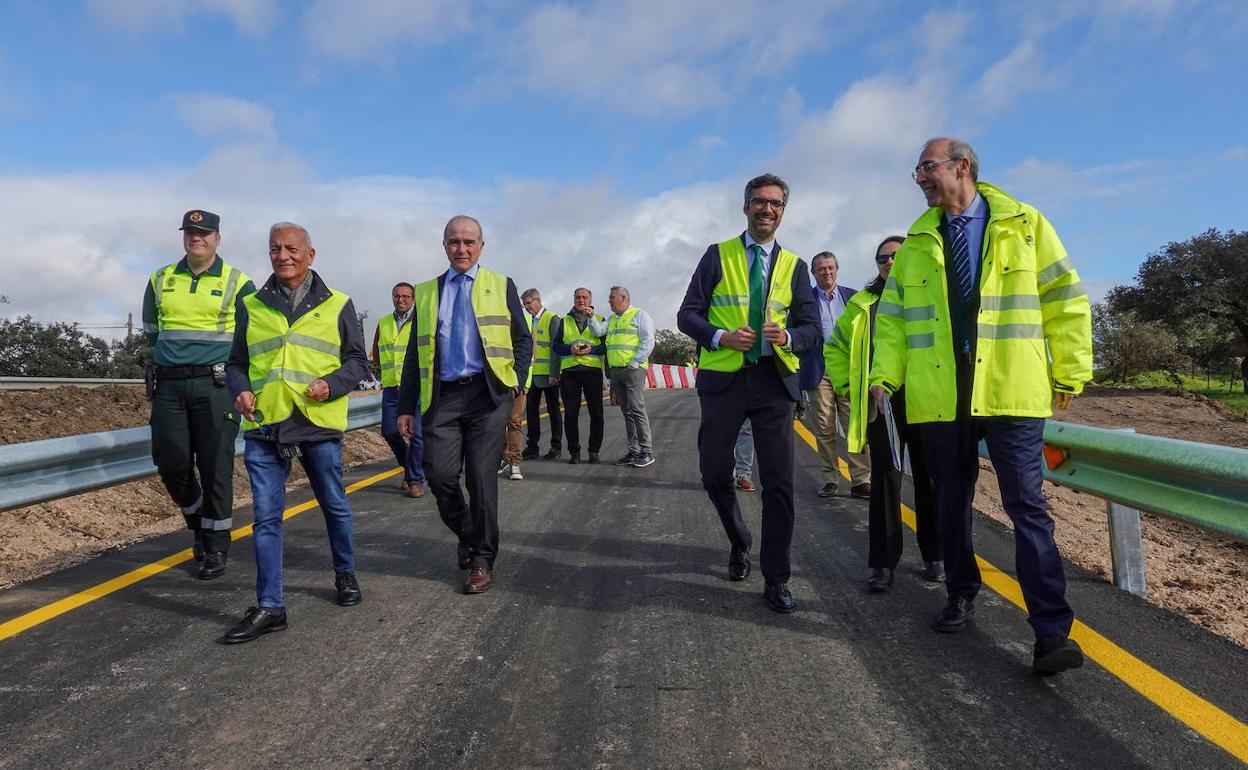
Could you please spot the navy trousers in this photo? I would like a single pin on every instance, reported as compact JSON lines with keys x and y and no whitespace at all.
{"x":1015,"y":449}
{"x":409,"y":454}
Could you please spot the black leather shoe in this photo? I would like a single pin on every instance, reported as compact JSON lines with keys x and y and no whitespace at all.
{"x":529,"y":453}
{"x":348,"y":589}
{"x":257,"y":622}
{"x":738,"y":564}
{"x":779,"y":598}
{"x":1055,"y":654}
{"x":958,"y":611}
{"x":553,"y":454}
{"x":593,"y":458}
{"x":827,"y":490}
{"x":212,"y":567}
{"x":462,"y":556}
{"x":934,"y":571}
{"x":861,"y":491}
{"x":881,"y":580}
{"x":197,"y":547}
{"x":574,"y":458}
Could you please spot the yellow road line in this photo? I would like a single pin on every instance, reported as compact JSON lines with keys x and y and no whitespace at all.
{"x":1221,"y":728}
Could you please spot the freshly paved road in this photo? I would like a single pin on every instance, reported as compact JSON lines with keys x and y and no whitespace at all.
{"x":612,"y":638}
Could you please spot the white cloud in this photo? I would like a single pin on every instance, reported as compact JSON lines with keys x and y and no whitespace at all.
{"x":252,"y":17}
{"x":371,"y":30}
{"x":1238,"y":152}
{"x":1054,"y":184}
{"x":215,"y":116}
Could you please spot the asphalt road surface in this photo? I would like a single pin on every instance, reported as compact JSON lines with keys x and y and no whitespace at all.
{"x":611,"y":638}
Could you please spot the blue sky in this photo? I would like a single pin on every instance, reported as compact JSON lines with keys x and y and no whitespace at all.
{"x":600,"y":143}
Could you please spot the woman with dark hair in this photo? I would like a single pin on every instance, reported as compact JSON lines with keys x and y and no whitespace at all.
{"x":848,"y":357}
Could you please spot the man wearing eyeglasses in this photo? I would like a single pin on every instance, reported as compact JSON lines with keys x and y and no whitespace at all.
{"x":984,"y":319}
{"x":750,"y":309}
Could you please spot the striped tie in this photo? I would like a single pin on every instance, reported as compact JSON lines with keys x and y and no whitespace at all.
{"x":961,"y":256}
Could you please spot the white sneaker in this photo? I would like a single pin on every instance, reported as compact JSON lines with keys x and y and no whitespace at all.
{"x":515,"y":474}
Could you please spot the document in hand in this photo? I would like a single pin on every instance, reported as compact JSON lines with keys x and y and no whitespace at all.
{"x":894,"y":442}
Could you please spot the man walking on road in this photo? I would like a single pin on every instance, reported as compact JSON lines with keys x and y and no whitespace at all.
{"x":298,"y":351}
{"x":630,"y":340}
{"x":749,"y":308}
{"x":985,"y":321}
{"x":389,"y":352}
{"x":544,"y":379}
{"x":189,"y":312}
{"x":473,"y":349}
{"x":829,"y":408}
{"x":579,"y":340}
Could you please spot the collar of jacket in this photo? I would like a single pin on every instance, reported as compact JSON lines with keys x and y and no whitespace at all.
{"x":318,"y":292}
{"x":1001,"y":206}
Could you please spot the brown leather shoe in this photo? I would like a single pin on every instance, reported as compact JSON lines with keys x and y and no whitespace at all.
{"x":415,"y":489}
{"x":479,"y":580}
{"x":744,"y":484}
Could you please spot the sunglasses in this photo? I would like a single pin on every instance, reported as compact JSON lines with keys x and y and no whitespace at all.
{"x":882,"y":258}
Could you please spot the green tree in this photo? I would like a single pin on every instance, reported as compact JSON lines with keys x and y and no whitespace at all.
{"x":672,"y":347}
{"x":127,"y":357}
{"x":31,"y":349}
{"x":1125,"y":345}
{"x":1200,"y":283}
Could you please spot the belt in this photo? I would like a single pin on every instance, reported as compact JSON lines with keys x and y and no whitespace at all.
{"x":761,"y":360}
{"x":463,"y":380}
{"x":183,"y":372}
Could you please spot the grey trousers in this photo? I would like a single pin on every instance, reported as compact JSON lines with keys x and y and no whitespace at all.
{"x":628,"y":386}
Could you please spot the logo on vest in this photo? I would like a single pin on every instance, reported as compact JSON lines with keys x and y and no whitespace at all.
{"x":170,"y":282}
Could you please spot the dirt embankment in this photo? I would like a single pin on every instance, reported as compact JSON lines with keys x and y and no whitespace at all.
{"x":1190,"y":571}
{"x":43,"y":538}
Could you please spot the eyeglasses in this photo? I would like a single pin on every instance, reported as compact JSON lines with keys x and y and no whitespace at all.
{"x":882,"y":258}
{"x":927,"y":168}
{"x":759,"y":203}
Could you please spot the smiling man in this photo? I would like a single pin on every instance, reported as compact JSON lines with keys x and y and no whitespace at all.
{"x":984,"y":320}
{"x":298,"y":351}
{"x":468,"y":361}
{"x":750,"y":309}
{"x":189,"y":312}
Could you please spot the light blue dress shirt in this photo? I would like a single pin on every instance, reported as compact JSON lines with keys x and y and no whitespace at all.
{"x":470,"y":358}
{"x":830,"y":309}
{"x":978,"y":213}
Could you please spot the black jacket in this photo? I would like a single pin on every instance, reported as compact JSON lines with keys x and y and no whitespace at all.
{"x":297,"y":428}
{"x":521,"y":349}
{"x":803,"y":327}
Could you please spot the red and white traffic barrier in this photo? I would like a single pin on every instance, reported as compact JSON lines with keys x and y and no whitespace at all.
{"x":664,"y":376}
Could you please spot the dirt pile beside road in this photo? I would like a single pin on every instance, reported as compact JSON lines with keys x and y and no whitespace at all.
{"x":43,"y":538}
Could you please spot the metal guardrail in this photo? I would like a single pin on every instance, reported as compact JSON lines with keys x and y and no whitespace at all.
{"x":39,"y":383}
{"x":38,"y":471}
{"x":1200,"y":484}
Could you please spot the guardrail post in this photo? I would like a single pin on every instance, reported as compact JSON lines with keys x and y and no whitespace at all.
{"x":1126,"y":545}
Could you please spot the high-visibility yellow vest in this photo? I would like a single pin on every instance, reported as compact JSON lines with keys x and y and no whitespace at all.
{"x":207,"y":315}
{"x":285,"y":358}
{"x":847,"y":354}
{"x":571,"y":334}
{"x":623,"y":339}
{"x":493,"y":317}
{"x":730,"y":306}
{"x":543,"y":353}
{"x":391,"y":350}
{"x":1034,"y":331}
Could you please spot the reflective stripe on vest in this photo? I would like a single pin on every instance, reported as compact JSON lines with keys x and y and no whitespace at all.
{"x":489,"y":306}
{"x":207,"y":314}
{"x":284,"y":359}
{"x":391,"y":350}
{"x":571,"y":334}
{"x":543,"y":353}
{"x":730,"y":306}
{"x":623,"y":339}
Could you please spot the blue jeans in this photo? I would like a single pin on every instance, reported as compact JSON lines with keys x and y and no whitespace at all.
{"x":743,"y":452}
{"x":322,"y":461}
{"x":408,"y":454}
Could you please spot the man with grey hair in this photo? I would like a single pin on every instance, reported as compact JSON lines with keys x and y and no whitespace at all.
{"x":630,"y":340}
{"x":829,"y":408}
{"x":984,"y":320}
{"x":298,"y":351}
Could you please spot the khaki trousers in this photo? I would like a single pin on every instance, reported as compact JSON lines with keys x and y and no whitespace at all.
{"x":830,"y":410}
{"x":513,"y":436}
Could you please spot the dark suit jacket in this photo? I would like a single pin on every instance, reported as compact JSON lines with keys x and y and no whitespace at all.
{"x":691,"y":318}
{"x":521,"y":348}
{"x":812,"y":360}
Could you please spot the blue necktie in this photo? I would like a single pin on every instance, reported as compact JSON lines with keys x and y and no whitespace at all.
{"x":961,"y":252}
{"x":461,"y":316}
{"x":756,"y":303}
